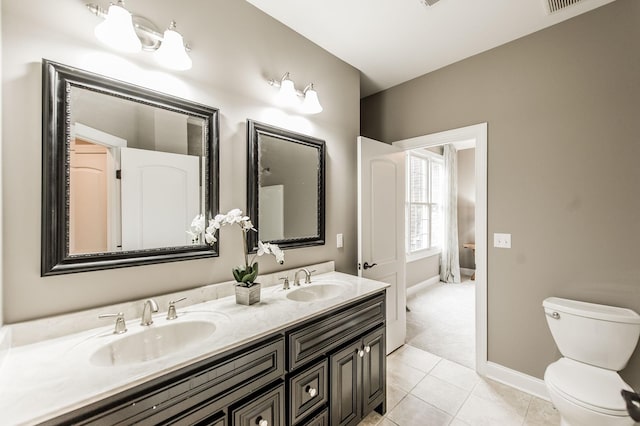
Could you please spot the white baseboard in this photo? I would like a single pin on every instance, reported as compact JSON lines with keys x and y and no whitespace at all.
{"x":516,"y":379}
{"x":429,"y":281}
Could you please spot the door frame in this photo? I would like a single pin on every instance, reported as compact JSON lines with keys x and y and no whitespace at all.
{"x":478,"y":132}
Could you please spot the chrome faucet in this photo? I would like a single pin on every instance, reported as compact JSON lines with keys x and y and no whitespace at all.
{"x":149,"y":307}
{"x":307,"y":276}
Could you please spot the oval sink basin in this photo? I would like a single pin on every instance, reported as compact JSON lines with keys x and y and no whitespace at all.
{"x":153,"y":342}
{"x":315,"y":292}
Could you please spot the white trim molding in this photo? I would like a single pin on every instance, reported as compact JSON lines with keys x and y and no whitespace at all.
{"x":478,"y":133}
{"x":515,"y":379}
{"x":429,"y":281}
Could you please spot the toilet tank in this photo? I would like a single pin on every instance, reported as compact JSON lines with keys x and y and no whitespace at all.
{"x":600,"y":335}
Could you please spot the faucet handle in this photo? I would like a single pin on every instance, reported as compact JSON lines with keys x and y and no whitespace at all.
{"x":285,"y":284}
{"x":121,"y":326}
{"x":171,"y":312}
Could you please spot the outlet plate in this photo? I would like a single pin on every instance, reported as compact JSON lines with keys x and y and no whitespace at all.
{"x":502,"y":240}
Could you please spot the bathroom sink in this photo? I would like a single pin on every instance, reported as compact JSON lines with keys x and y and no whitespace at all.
{"x":315,"y":292}
{"x":152,"y":342}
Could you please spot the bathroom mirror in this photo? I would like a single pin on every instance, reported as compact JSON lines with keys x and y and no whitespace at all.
{"x":285,"y":186}
{"x":125,"y":171}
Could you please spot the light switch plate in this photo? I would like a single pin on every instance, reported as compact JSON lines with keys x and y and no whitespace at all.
{"x":502,"y":240}
{"x":339,"y":241}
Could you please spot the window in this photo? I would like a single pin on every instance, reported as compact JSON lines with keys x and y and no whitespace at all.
{"x":424,"y":203}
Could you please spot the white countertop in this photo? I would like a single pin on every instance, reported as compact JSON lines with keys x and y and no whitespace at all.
{"x":45,"y":379}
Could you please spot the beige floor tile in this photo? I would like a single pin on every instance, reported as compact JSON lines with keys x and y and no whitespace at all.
{"x":414,"y":411}
{"x":440,"y":394}
{"x":455,"y":374}
{"x":402,"y":376}
{"x":416,"y":358}
{"x":386,"y":422}
{"x":371,"y":420}
{"x":541,"y":413}
{"x":497,"y":392}
{"x":477,"y":411}
{"x":457,"y":422}
{"x":394,"y":396}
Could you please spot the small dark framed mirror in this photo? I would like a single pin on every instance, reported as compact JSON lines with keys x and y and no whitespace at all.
{"x":125,"y":170}
{"x":285,"y":186}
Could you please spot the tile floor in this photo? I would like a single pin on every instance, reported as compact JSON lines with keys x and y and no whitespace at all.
{"x":424,"y":389}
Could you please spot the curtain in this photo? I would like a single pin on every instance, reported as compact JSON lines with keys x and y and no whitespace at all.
{"x":450,"y":259}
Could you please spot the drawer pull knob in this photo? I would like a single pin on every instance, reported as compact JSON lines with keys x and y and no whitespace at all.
{"x":367,"y":349}
{"x":262,"y":422}
{"x":311,"y":391}
{"x":361,"y":353}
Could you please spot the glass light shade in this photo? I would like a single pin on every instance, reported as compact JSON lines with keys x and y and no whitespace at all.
{"x":117,"y":30}
{"x":287,"y":95}
{"x":311,"y":105}
{"x":172,"y":53}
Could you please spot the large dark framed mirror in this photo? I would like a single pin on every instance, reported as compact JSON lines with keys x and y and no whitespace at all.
{"x":125,"y":170}
{"x":285,"y":186}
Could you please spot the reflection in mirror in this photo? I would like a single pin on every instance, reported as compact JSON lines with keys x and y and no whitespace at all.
{"x":134,"y":169}
{"x":285,"y":186}
{"x":125,"y":170}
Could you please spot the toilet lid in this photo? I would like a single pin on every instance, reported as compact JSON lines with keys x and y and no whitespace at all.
{"x":592,"y":387}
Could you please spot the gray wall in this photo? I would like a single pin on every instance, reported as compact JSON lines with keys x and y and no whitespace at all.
{"x":422,"y":269}
{"x":236,"y":48}
{"x":466,"y":205}
{"x":562,"y":110}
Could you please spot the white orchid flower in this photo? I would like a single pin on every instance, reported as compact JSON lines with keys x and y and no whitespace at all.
{"x":278,"y":253}
{"x":197,"y":224}
{"x":210,"y":238}
{"x":246,"y":225}
{"x":263,"y":248}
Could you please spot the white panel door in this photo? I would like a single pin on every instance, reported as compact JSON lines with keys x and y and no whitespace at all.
{"x":381,"y":253}
{"x":271,"y":212}
{"x":160,"y":198}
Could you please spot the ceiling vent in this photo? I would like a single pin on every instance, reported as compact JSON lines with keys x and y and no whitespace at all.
{"x":557,"y":5}
{"x":429,"y":2}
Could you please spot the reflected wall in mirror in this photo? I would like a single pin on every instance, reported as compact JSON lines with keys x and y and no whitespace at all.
{"x":285,"y":186}
{"x":125,"y":170}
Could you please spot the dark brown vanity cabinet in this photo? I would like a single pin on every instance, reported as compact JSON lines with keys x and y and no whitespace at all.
{"x":358,"y":378}
{"x":329,"y":369}
{"x":351,"y":342}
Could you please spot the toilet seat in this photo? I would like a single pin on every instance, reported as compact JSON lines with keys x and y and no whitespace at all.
{"x":591,"y":387}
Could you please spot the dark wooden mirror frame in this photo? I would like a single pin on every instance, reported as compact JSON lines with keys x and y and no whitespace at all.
{"x":254,"y":130}
{"x":57,"y":81}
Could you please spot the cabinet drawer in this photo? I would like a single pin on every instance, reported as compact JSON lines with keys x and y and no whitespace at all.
{"x":192,"y":394}
{"x":266,"y":409}
{"x":321,"y":336}
{"x":308,"y":391}
{"x":321,"y":419}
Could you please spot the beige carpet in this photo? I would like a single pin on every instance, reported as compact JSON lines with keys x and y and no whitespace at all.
{"x":442,"y":320}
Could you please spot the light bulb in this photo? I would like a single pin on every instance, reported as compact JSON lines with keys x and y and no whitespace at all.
{"x":311,"y":104}
{"x":117,"y":30}
{"x":172,"y":53}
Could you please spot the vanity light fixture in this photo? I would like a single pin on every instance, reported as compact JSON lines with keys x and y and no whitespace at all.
{"x":311,"y":104}
{"x":289,"y":96}
{"x":117,"y":29}
{"x":172,"y":53}
{"x":131,"y":33}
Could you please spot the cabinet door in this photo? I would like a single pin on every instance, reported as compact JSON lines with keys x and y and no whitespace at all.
{"x":346,"y":380}
{"x":265,"y":410}
{"x":373,"y":371}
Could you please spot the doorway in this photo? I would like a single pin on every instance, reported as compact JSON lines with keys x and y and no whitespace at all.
{"x":478,"y":134}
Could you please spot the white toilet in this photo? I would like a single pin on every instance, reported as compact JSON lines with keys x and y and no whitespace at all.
{"x":596,"y":341}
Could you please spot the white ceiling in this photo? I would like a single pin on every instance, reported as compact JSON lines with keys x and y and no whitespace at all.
{"x":393,"y":41}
